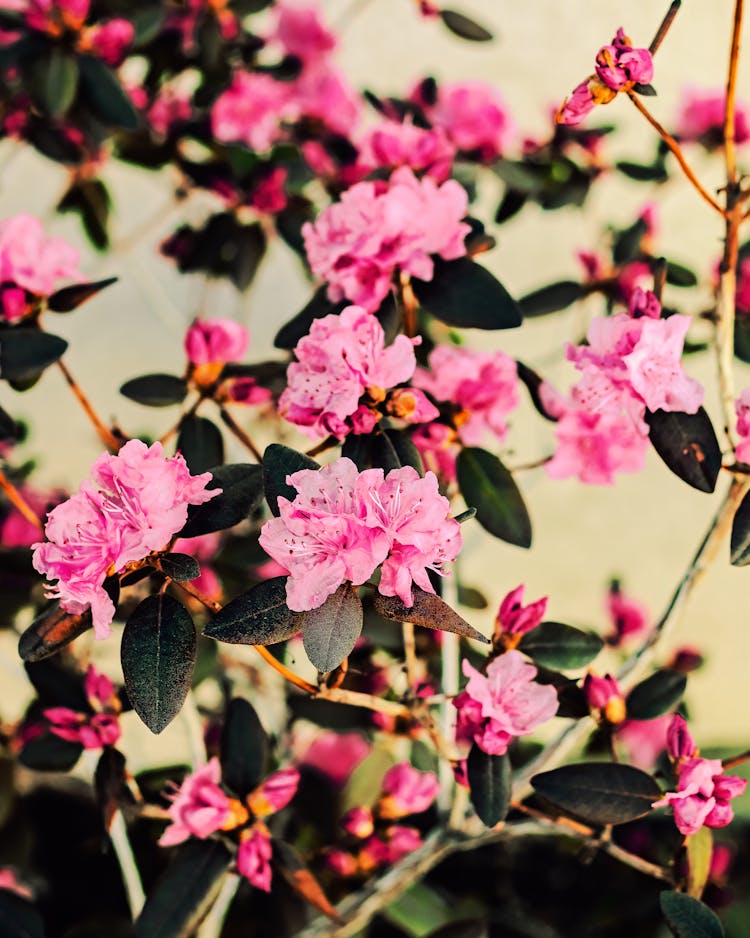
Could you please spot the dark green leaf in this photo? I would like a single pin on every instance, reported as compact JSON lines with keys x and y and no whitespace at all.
{"x":8,"y":426}
{"x":297,"y":327}
{"x":406,"y":452}
{"x":512,"y":203}
{"x":57,"y":684}
{"x":648,"y":91}
{"x":70,"y":298}
{"x":599,"y":792}
{"x":556,"y":645}
{"x":742,"y":336}
{"x":656,"y":695}
{"x":147,"y":24}
{"x":241,"y":487}
{"x":25,"y":353}
{"x":185,"y":892}
{"x":533,"y":383}
{"x":688,"y":917}
{"x":158,"y":656}
{"x":687,"y":443}
{"x":244,"y":254}
{"x":359,"y":448}
{"x":571,"y":700}
{"x":471,"y":597}
{"x":487,"y":485}
{"x":180,"y":567}
{"x":258,"y":617}
{"x":279,"y":462}
{"x":50,"y":631}
{"x":552,"y":298}
{"x":157,"y":390}
{"x":201,"y":443}
{"x":643,"y":172}
{"x":18,"y":917}
{"x":464,"y":27}
{"x":740,"y":542}
{"x":89,"y":198}
{"x":627,"y":243}
{"x":680,"y":276}
{"x":244,"y":748}
{"x":463,"y":293}
{"x":104,"y":95}
{"x":53,"y":80}
{"x":490,"y":784}
{"x":428,"y":610}
{"x":110,"y":783}
{"x":330,"y":632}
{"x":50,"y":753}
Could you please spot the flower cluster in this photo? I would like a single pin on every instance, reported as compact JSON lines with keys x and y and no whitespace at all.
{"x":630,"y":364}
{"x":96,"y":729}
{"x":703,"y":791}
{"x":356,"y":245}
{"x":132,"y":504}
{"x":109,"y":40}
{"x":507,"y":702}
{"x":342,"y":371}
{"x":391,"y":144}
{"x":343,"y":524}
{"x":619,"y":66}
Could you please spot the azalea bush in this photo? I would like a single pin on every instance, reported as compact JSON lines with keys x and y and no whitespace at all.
{"x":306,"y":726}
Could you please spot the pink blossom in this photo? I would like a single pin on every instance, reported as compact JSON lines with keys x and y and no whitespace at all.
{"x":703,"y":795}
{"x":341,"y":863}
{"x":438,"y":446}
{"x":579,"y":104}
{"x":110,"y":40}
{"x":10,"y":882}
{"x":507,"y":702}
{"x":701,"y":117}
{"x":215,"y":340}
{"x":246,"y":390}
{"x":45,"y":14}
{"x":619,"y":64}
{"x":643,"y":303}
{"x":513,"y":618}
{"x":199,"y":808}
{"x":391,"y":144}
{"x":32,"y":261}
{"x":275,"y":793}
{"x":98,"y":688}
{"x":15,"y":529}
{"x":644,"y":740}
{"x":742,"y":409}
{"x":680,"y":742}
{"x":323,"y":91}
{"x":655,"y":371}
{"x":406,"y":790}
{"x":132,"y":504}
{"x":359,"y":823}
{"x":335,"y":754}
{"x":629,"y":616}
{"x":604,"y":694}
{"x":268,"y":196}
{"x":13,"y":303}
{"x":254,"y":857}
{"x":300,"y":30}
{"x":411,"y":405}
{"x":251,"y":110}
{"x":170,"y":106}
{"x":484,"y":385}
{"x":91,"y":731}
{"x":401,"y":841}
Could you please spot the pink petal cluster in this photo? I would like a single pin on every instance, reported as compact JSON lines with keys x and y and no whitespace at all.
{"x":342,"y":357}
{"x":274,"y":793}
{"x":701,"y":117}
{"x":300,"y":30}
{"x":484,"y":385}
{"x":406,"y":790}
{"x":644,"y":740}
{"x":91,"y":731}
{"x":254,"y":857}
{"x":170,"y":106}
{"x":742,"y":409}
{"x":334,"y":754}
{"x":215,"y":340}
{"x":344,"y":523}
{"x":251,"y":111}
{"x":439,"y":447}
{"x":45,"y":14}
{"x":604,"y":694}
{"x":391,"y":144}
{"x":132,"y":504}
{"x":199,"y":807}
{"x":629,"y":617}
{"x":513,"y":618}
{"x":357,"y":244}
{"x":110,"y":40}
{"x":495,"y":708}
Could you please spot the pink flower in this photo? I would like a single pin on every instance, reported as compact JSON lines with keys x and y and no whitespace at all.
{"x":91,"y":731}
{"x":98,"y":688}
{"x":341,"y":358}
{"x":703,"y":795}
{"x":406,"y":790}
{"x":133,"y":503}
{"x":701,"y":117}
{"x":513,"y":618}
{"x":742,"y":409}
{"x":619,"y":64}
{"x":268,"y":196}
{"x":323,"y":92}
{"x":9,"y":881}
{"x":335,"y":754}
{"x":15,"y":529}
{"x":300,"y":29}
{"x":341,"y":863}
{"x":680,"y":743}
{"x":199,"y":807}
{"x":401,"y":841}
{"x":275,"y":793}
{"x":643,"y":303}
{"x":254,"y":857}
{"x":215,"y":340}
{"x":655,"y":371}
{"x":170,"y":106}
{"x":438,"y":446}
{"x":644,"y":740}
{"x":45,"y":15}
{"x":629,"y":616}
{"x":604,"y":694}
{"x":391,"y":144}
{"x":484,"y":385}
{"x":251,"y":110}
{"x":110,"y":40}
{"x":411,"y":405}
{"x":507,"y":702}
{"x":359,"y":823}
{"x":578,"y":105}
{"x":32,"y":261}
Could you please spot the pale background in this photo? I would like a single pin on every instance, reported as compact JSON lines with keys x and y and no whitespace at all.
{"x":646,"y":527}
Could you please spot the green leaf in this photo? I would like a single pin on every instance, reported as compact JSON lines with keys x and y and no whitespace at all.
{"x":104,"y":95}
{"x":186,"y":890}
{"x":180,"y":567}
{"x":556,"y":645}
{"x":687,"y":443}
{"x":533,"y":383}
{"x":247,"y":249}
{"x":471,"y":597}
{"x":490,"y":783}
{"x":643,"y":172}
{"x":627,"y":243}
{"x":680,"y":276}
{"x":699,"y":847}
{"x":244,"y":748}
{"x":25,"y":353}
{"x":429,"y":611}
{"x":656,"y":695}
{"x":157,"y":390}
{"x":201,"y":443}
{"x":599,"y":792}
{"x":330,"y":632}
{"x":488,"y":486}
{"x":57,"y":683}
{"x":648,"y":91}
{"x":52,"y":630}
{"x":158,"y":654}
{"x":689,"y":918}
{"x":50,"y":753}
{"x":241,"y":495}
{"x":464,"y":27}
{"x":404,"y":448}
{"x":462,"y":293}
{"x":550,"y":299}
{"x":89,"y":198}
{"x":53,"y":81}
{"x":279,"y":462}
{"x":258,"y":617}
{"x":70,"y":298}
{"x":740,"y":541}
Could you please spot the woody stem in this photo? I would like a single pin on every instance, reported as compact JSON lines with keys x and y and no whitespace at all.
{"x":105,"y":434}
{"x":18,"y":501}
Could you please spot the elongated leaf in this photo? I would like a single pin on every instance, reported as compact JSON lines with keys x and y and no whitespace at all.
{"x":53,"y":81}
{"x":533,"y":383}
{"x":185,"y":892}
{"x":330,"y":632}
{"x":258,"y":617}
{"x":50,"y":631}
{"x":110,"y":783}
{"x":70,"y":298}
{"x":689,"y":918}
{"x":699,"y":847}
{"x":9,"y":429}
{"x":57,"y":684}
{"x":552,"y":298}
{"x":687,"y":443}
{"x":201,"y":443}
{"x":653,"y":172}
{"x":463,"y":293}
{"x":487,"y":485}
{"x":25,"y":353}
{"x":294,"y":871}
{"x":241,"y":494}
{"x":739,"y":549}
{"x":279,"y":462}
{"x":599,"y":792}
{"x":157,"y":390}
{"x":244,"y":748}
{"x":490,"y":784}
{"x":104,"y":95}
{"x":656,"y":695}
{"x":680,"y":276}
{"x":158,"y":656}
{"x":556,"y":645}
{"x":464,"y":27}
{"x":180,"y":567}
{"x":429,"y":611}
{"x":50,"y":753}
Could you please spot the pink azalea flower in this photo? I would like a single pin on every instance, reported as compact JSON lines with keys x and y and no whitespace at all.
{"x":323,"y":92}
{"x":701,"y":117}
{"x":215,"y":340}
{"x":199,"y":807}
{"x":703,"y":795}
{"x":41,"y":13}
{"x":15,"y":529}
{"x":411,"y":405}
{"x":438,"y":446}
{"x":391,"y":144}
{"x":513,"y":618}
{"x":254,"y":857}
{"x":406,"y":790}
{"x":655,"y":370}
{"x":579,"y":104}
{"x":251,"y":110}
{"x":91,"y":731}
{"x":619,"y":64}
{"x":335,"y":754}
{"x":110,"y":40}
{"x":341,"y":863}
{"x":604,"y":694}
{"x":32,"y":261}
{"x":98,"y":688}
{"x":401,"y":842}
{"x":268,"y":196}
{"x":132,"y":504}
{"x":170,"y":106}
{"x":301,"y":31}
{"x":644,"y":740}
{"x":275,"y":793}
{"x":629,"y":616}
{"x":359,"y":823}
{"x":484,"y":385}
{"x":505,"y":703}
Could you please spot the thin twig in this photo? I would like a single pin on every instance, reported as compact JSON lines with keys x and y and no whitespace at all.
{"x":18,"y":501}
{"x":237,"y":430}
{"x":729,"y":107}
{"x":105,"y":434}
{"x":663,"y":29}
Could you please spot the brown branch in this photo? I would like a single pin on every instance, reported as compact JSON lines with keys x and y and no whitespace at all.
{"x":18,"y":501}
{"x":105,"y":434}
{"x":664,"y":26}
{"x":238,"y":432}
{"x":729,"y":107}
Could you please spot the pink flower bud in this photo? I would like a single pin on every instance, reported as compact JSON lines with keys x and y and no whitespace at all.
{"x":111,"y":40}
{"x":406,"y":790}
{"x":254,"y":856}
{"x":629,"y":617}
{"x":275,"y":793}
{"x":680,"y":743}
{"x":514,"y":618}
{"x":215,"y":340}
{"x":604,"y":694}
{"x":358,"y":822}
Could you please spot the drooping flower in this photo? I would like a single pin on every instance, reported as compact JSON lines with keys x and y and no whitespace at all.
{"x":132,"y":504}
{"x":99,"y":727}
{"x":406,"y":790}
{"x":507,"y":702}
{"x":701,"y":118}
{"x":199,"y":807}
